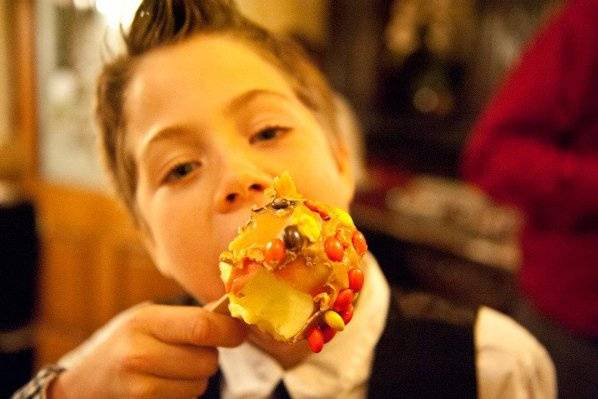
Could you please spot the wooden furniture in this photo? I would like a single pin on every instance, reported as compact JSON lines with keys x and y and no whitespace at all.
{"x":92,"y":262}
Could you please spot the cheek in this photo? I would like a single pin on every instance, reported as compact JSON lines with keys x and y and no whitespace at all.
{"x":322,"y":184}
{"x":316,"y":173}
{"x":185,"y":247}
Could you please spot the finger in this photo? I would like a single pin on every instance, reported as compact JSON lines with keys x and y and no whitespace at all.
{"x":191,"y":325}
{"x":174,"y":361}
{"x":150,"y":386}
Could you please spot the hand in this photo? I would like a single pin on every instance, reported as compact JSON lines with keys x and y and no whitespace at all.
{"x":150,"y":351}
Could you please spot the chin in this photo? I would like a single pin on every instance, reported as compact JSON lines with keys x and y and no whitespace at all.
{"x":270,"y":345}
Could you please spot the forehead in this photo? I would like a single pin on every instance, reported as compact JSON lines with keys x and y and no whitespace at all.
{"x":197,"y":78}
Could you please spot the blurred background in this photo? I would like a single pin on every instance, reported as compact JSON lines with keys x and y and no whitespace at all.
{"x":417,"y":74}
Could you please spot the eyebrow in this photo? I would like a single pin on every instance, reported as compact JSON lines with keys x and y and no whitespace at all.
{"x":167,"y":133}
{"x":163,"y":134}
{"x":249,"y":96}
{"x":174,"y":131}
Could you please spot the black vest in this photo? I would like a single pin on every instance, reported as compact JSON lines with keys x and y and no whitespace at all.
{"x":415,"y":358}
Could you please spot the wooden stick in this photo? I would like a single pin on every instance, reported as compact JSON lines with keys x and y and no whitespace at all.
{"x":220,"y":306}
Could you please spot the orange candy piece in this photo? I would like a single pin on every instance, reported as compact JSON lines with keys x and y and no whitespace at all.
{"x":347,"y":314}
{"x":334,"y":249}
{"x":359,"y":243}
{"x":315,"y":339}
{"x":343,"y":300}
{"x":274,"y":251}
{"x":314,"y":208}
{"x":355,"y":279}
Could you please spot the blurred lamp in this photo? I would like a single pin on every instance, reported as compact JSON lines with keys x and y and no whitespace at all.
{"x":118,"y":12}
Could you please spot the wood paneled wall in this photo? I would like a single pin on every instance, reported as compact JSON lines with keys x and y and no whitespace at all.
{"x":93,"y":266}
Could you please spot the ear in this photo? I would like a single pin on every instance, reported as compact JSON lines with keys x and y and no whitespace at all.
{"x":348,"y":147}
{"x":344,"y":165}
{"x":343,"y":158}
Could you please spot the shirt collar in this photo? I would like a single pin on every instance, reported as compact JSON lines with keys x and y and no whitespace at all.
{"x":255,"y":374}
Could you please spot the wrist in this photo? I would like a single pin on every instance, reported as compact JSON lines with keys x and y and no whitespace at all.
{"x":55,"y":388}
{"x":38,"y":387}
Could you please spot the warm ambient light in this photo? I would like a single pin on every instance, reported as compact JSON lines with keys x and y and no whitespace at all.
{"x":117,"y":12}
{"x":83,"y":4}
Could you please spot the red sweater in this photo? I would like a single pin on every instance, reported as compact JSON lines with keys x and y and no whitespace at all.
{"x":536,"y":147}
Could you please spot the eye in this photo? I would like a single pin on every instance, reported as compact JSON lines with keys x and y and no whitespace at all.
{"x":268,"y":133}
{"x":180,"y":171}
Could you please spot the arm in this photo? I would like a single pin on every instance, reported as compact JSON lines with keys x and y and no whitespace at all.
{"x":149,"y":350}
{"x":518,"y":151}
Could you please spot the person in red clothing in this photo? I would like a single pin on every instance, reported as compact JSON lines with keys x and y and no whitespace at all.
{"x":536,"y":147}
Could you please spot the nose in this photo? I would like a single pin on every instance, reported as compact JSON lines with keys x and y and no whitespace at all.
{"x":241,"y":188}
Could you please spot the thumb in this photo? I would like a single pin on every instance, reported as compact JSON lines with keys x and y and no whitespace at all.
{"x":192,"y":325}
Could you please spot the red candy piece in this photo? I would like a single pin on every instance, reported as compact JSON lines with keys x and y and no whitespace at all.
{"x":359,"y":242}
{"x":315,"y":339}
{"x":328,"y":333}
{"x":311,"y":206}
{"x":334,"y":249}
{"x":314,"y":208}
{"x":347,"y":314}
{"x":274,"y":251}
{"x":343,"y":300}
{"x":355,"y":279}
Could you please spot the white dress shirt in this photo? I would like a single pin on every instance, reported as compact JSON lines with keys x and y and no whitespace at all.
{"x":510,"y":363}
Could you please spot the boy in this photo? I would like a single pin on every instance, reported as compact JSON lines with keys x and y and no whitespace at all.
{"x":196,"y":120}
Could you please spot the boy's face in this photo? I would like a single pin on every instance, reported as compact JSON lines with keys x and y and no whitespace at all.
{"x":209,"y":124}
